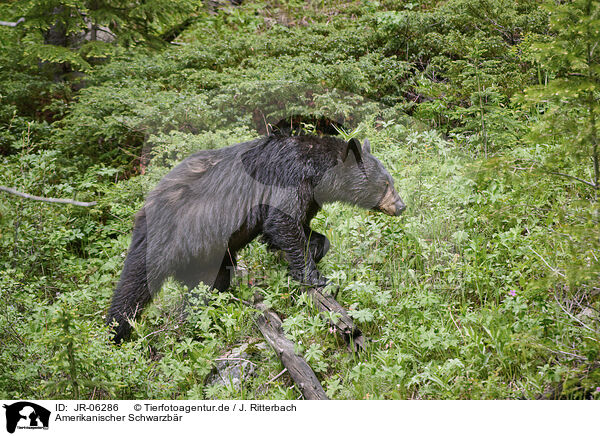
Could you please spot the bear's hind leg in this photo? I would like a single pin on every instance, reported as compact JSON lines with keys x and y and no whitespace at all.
{"x":223,"y":279}
{"x":133,"y":291}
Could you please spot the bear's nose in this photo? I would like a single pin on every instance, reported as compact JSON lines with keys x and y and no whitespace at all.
{"x":400,"y":207}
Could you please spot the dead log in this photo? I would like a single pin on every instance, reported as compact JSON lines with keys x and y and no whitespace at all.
{"x":343,"y":324}
{"x":269,"y":324}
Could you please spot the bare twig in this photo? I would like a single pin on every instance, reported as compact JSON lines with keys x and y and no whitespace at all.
{"x":576,"y":356}
{"x":277,"y":376}
{"x":155,"y":332}
{"x":547,"y":264}
{"x":569,"y":176}
{"x":456,"y":325}
{"x":241,"y":301}
{"x":572,"y":316}
{"x":47,"y":200}
{"x":593,"y":185}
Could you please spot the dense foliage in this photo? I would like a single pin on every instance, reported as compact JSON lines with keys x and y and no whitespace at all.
{"x":486,"y":113}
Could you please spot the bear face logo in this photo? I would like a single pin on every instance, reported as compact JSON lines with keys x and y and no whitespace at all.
{"x":24,"y":414}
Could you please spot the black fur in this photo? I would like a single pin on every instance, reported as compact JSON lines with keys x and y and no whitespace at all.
{"x":216,"y":201}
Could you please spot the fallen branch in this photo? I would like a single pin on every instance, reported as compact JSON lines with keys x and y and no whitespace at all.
{"x":12,"y":24}
{"x":343,"y":324}
{"x":47,"y":200}
{"x":302,"y":374}
{"x":269,"y":324}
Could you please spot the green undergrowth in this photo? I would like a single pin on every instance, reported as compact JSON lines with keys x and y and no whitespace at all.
{"x":454,"y":297}
{"x":486,"y":287}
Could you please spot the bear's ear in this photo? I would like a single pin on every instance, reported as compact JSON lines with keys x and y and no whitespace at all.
{"x":366,"y":146}
{"x":354,"y":146}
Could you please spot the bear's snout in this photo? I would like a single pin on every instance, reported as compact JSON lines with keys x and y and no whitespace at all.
{"x":400,"y":207}
{"x":391,"y":203}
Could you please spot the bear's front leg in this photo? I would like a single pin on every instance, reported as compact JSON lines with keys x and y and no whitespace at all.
{"x":318,"y":243}
{"x":287,"y":234}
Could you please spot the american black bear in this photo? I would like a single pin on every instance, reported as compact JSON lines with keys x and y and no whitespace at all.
{"x":216,"y":201}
